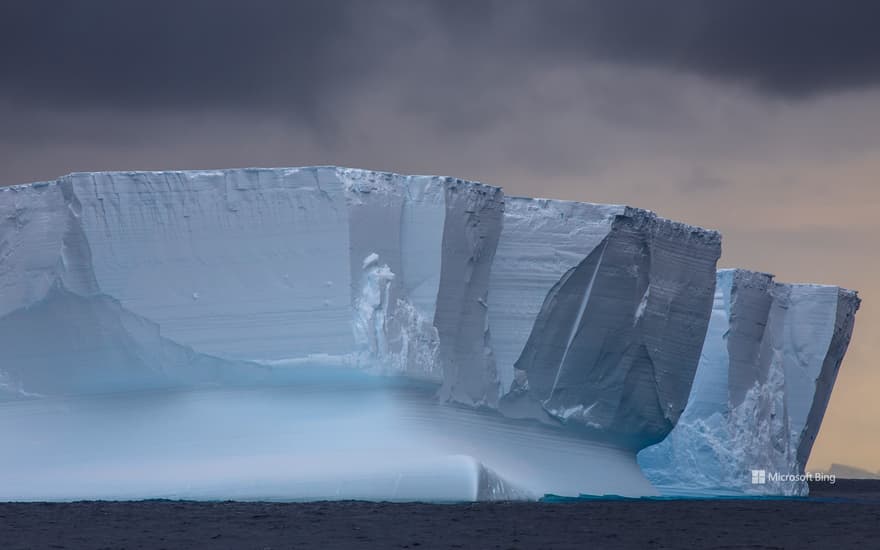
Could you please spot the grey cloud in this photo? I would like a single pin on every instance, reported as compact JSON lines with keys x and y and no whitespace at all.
{"x":791,"y":48}
{"x":296,"y":58}
{"x":190,"y":54}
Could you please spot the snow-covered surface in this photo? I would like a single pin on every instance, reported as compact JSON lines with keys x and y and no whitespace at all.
{"x":766,"y":373}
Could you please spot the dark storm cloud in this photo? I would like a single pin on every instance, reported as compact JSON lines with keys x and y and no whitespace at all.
{"x":789,"y":47}
{"x":190,"y":54}
{"x":301,"y":54}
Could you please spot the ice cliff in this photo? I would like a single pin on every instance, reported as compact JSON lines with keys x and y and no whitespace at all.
{"x":598,"y":314}
{"x":765,"y":376}
{"x":577,"y":322}
{"x":391,"y":272}
{"x":262,"y":266}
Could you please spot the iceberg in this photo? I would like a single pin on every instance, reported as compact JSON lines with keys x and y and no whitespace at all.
{"x":844,"y":471}
{"x":771,"y":356}
{"x":432,"y":338}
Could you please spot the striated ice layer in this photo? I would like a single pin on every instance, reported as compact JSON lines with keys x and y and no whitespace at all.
{"x":822,"y":314}
{"x":614,"y":346}
{"x":269,"y":264}
{"x":470,"y":238}
{"x":766,"y":372}
{"x":540,"y":241}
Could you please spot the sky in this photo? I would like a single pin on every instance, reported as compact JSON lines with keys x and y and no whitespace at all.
{"x":759,"y":119}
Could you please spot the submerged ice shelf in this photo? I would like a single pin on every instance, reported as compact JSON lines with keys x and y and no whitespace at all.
{"x":567,"y":320}
{"x":330,"y":435}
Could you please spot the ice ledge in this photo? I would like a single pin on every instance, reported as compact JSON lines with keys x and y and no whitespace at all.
{"x":376,"y":177}
{"x":642,"y":217}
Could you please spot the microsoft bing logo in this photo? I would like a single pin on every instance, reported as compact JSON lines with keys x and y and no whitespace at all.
{"x":759,"y":477}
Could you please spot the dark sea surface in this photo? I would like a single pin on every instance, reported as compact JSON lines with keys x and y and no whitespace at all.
{"x":843,"y":515}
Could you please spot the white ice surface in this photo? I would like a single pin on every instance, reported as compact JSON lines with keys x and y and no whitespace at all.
{"x":807,"y":344}
{"x":257,"y":264}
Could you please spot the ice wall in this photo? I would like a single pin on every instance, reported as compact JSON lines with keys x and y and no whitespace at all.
{"x":822,"y":314}
{"x":540,"y":241}
{"x":469,"y":241}
{"x":613,"y":347}
{"x":270,"y":264}
{"x":766,"y":372}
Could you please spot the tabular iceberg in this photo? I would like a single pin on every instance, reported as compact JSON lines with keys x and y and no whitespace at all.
{"x":767,"y":369}
{"x":545,"y":342}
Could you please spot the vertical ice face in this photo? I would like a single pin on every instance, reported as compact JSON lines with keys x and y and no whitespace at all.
{"x":270,"y":264}
{"x":431,"y":241}
{"x":246,"y":264}
{"x":766,"y":372}
{"x":748,"y":321}
{"x":616,"y":342}
{"x":470,"y":237}
{"x":730,"y":396}
{"x":390,"y":218}
{"x":42,"y":245}
{"x":540,"y":241}
{"x":59,"y":333}
{"x":815,"y":347}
